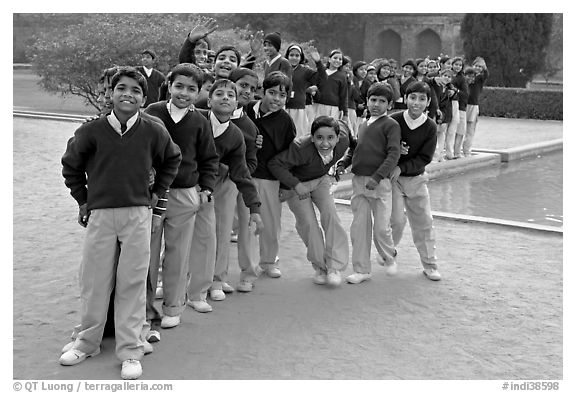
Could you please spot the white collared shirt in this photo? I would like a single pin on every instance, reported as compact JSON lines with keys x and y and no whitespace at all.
{"x":148,"y":71}
{"x":115,"y":123}
{"x":373,"y":119}
{"x":330,"y":72}
{"x":257,"y":110}
{"x":238,"y":112}
{"x":414,"y":123}
{"x":326,"y":159}
{"x":176,"y":113}
{"x":273,"y":60}
{"x":218,"y":128}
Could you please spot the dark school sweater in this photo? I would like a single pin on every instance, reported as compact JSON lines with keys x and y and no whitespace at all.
{"x":302,"y":78}
{"x":421,"y":143}
{"x":281,"y":64}
{"x":232,"y":153}
{"x":116,"y":169}
{"x":475,"y":88}
{"x":460,"y":82}
{"x":377,"y":151}
{"x":301,"y":161}
{"x":194,"y":136}
{"x":154,"y":82}
{"x":250,"y":132}
{"x":334,"y":91}
{"x":278,"y":131}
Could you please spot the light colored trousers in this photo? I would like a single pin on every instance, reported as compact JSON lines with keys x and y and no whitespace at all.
{"x":177,"y":227}
{"x":300,"y":120}
{"x":102,"y":268}
{"x":271,"y":212}
{"x":451,"y":131}
{"x":410,"y":199}
{"x":226,"y":197}
{"x":328,"y":251}
{"x":472,"y":112}
{"x":460,"y":133}
{"x":327,"y":110}
{"x":440,"y":141}
{"x":202,"y":253}
{"x":367,"y":205}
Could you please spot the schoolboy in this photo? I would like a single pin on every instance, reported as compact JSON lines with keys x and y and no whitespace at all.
{"x":106,"y":166}
{"x":303,"y":173}
{"x":476,"y":84}
{"x":278,"y":131}
{"x":374,"y":157}
{"x":275,"y":61}
{"x":154,"y":78}
{"x":409,"y":191}
{"x":191,"y":188}
{"x":233,"y":175}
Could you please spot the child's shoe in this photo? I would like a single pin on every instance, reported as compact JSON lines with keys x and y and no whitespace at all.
{"x":432,"y":274}
{"x":170,"y":322}
{"x":334,"y":278}
{"x":68,"y":346}
{"x":147,"y":347}
{"x":75,"y":356}
{"x":357,"y":278}
{"x":227,"y":288}
{"x":273,"y":272}
{"x":159,"y":292}
{"x":131,"y":369}
{"x":153,"y":336}
{"x":319,"y":277}
{"x":244,"y":286}
{"x":199,"y":305}
{"x":217,"y":294}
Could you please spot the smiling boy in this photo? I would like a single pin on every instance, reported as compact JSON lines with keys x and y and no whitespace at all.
{"x":409,"y":190}
{"x":106,"y":166}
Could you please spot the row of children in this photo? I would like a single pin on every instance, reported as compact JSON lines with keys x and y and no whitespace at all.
{"x":178,"y":171}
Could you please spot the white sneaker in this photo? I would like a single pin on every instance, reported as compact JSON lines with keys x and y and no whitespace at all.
{"x":170,"y":322}
{"x":392,"y":269}
{"x":217,"y":294}
{"x":227,"y":288}
{"x":357,"y":278}
{"x":159,"y":292}
{"x":334,"y":278}
{"x":244,"y":286}
{"x":153,"y":336}
{"x":68,"y":346}
{"x":319,"y":277}
{"x":147,"y":347}
{"x":273,"y":272}
{"x":432,"y":274}
{"x":199,"y":305}
{"x":131,"y":369}
{"x":75,"y":356}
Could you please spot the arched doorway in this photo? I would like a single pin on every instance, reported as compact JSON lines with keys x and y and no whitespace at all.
{"x":389,"y":45}
{"x":428,"y":44}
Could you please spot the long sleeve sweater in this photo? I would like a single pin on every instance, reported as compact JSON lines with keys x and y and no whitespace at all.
{"x":154,"y":82}
{"x":421,"y":143}
{"x":460,"y":82}
{"x":278,"y":131}
{"x":231,"y":151}
{"x":194,"y":136}
{"x":281,"y":64}
{"x":107,"y":170}
{"x":302,"y":78}
{"x":301,"y":161}
{"x":334,"y":91}
{"x":475,"y":88}
{"x":377,"y":151}
{"x":250,"y":132}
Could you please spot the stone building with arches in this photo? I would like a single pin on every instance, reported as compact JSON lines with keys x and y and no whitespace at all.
{"x":404,"y":36}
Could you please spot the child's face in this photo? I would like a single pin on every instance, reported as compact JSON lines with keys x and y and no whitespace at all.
{"x":378,"y":105}
{"x":269,"y":49}
{"x":325,"y":139}
{"x":447,"y":64}
{"x":361,"y":72}
{"x":294,"y":57}
{"x":384,"y":72}
{"x":223,"y":100}
{"x":204,"y":90}
{"x":225,"y":63}
{"x":422,"y":68}
{"x":417,"y":104}
{"x":408,"y":70}
{"x":335,"y":61}
{"x":433,"y":68}
{"x":371,"y":76}
{"x":274,"y":99}
{"x":147,"y":60}
{"x":127,"y":96}
{"x":478,"y":67}
{"x":393,"y":68}
{"x":457,"y":66}
{"x":101,"y":94}
{"x":183,"y":91}
{"x":246,"y":86}
{"x":469,"y":78}
{"x":201,"y":54}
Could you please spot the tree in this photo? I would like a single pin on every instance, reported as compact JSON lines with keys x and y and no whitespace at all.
{"x":70,"y":60}
{"x":513,"y":45}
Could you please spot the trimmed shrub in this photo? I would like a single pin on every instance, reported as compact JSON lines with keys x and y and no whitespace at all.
{"x":521,"y":103}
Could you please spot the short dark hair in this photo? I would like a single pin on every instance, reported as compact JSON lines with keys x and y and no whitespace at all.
{"x":241,"y":72}
{"x":277,"y":78}
{"x":419,"y":87}
{"x":222,"y":82}
{"x":381,"y":89}
{"x":208,"y":77}
{"x":107,"y":74}
{"x":187,"y":70}
{"x":232,"y":48}
{"x":324,"y":121}
{"x":132,"y":73}
{"x":469,"y":70}
{"x":150,"y":52}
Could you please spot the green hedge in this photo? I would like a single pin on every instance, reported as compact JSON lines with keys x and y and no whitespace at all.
{"x":521,"y":103}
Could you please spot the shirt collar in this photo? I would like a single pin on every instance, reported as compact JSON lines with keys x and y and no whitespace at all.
{"x":178,"y":113}
{"x":218,"y":128}
{"x":414,"y":123}
{"x":257,"y":110}
{"x":238,"y":113}
{"x":274,"y":59}
{"x":115,"y":123}
{"x":373,"y":119}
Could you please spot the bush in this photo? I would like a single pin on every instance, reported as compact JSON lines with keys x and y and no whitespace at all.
{"x":521,"y":103}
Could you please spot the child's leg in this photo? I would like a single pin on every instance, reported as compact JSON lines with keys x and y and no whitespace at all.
{"x":97,"y":278}
{"x":361,"y":227}
{"x":460,"y":133}
{"x":309,"y":231}
{"x":300,"y":121}
{"x":131,"y":273}
{"x":440,"y":142}
{"x":202,"y":253}
{"x":382,"y":209}
{"x":352,"y":121}
{"x":336,"y":251}
{"x":247,"y":243}
{"x":270,"y":210}
{"x":398,"y":216}
{"x":451,"y":131}
{"x":472,"y":112}
{"x":224,"y":202}
{"x":311,"y":113}
{"x":420,"y":217}
{"x":152,"y":280}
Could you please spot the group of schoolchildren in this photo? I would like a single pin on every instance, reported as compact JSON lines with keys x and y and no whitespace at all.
{"x":159,"y":189}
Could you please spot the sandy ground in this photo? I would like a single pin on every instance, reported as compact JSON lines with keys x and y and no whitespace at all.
{"x":497,"y":313}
